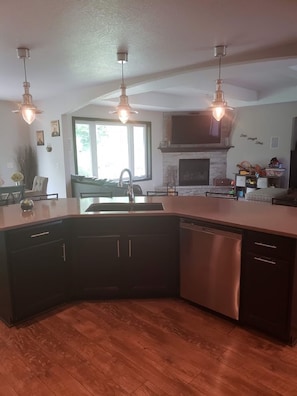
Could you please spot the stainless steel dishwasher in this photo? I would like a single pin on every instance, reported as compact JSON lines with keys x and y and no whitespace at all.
{"x":210,"y":262}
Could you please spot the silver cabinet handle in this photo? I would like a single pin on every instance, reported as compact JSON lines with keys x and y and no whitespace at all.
{"x":130,"y":248}
{"x":265,"y":245}
{"x":40,"y":234}
{"x":64,"y":252}
{"x":118,"y":248}
{"x":265,"y":260}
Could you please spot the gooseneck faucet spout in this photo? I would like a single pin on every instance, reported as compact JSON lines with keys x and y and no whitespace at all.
{"x":130,"y":191}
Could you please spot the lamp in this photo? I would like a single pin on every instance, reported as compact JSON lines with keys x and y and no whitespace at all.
{"x":27,"y":108}
{"x":123,"y":109}
{"x":219,"y":105}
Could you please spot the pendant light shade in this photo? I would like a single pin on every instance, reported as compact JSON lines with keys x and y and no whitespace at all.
{"x":123,"y":109}
{"x":219,"y":105}
{"x":26,"y":108}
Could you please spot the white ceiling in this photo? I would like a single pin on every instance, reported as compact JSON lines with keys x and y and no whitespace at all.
{"x":170,"y":43}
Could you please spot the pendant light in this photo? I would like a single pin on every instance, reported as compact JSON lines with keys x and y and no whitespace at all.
{"x":123,"y":109}
{"x":26,"y":108}
{"x":219,"y":105}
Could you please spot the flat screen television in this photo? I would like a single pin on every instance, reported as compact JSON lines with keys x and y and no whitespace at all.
{"x":196,"y":128}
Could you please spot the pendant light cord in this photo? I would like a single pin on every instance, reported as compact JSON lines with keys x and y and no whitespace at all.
{"x":220,"y":61}
{"x":122,"y":72}
{"x":25,"y":71}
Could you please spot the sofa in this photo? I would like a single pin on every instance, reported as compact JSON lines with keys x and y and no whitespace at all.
{"x":83,"y":184}
{"x":266,"y":194}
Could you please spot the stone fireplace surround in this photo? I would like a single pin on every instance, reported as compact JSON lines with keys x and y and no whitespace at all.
{"x":217,"y":155}
{"x":217,"y":169}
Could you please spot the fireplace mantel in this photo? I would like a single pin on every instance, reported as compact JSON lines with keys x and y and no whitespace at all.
{"x":194,"y":149}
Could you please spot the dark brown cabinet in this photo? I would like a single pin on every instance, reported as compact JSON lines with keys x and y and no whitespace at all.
{"x":125,"y":257}
{"x":36,"y":258}
{"x":268,"y":284}
{"x":96,"y":261}
{"x":152,"y":263}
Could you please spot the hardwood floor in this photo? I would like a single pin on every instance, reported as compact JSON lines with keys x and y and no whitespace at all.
{"x":141,"y":347}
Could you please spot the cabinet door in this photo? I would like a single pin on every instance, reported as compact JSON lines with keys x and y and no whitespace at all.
{"x":151,"y":266}
{"x":266,"y":300}
{"x":37,"y":278}
{"x":127,"y":256}
{"x":266,"y":283}
{"x":97,"y":266}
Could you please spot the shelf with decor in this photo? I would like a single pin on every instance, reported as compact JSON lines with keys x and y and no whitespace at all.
{"x":248,"y":182}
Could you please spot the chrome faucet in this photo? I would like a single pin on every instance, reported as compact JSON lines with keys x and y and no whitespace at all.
{"x":130,"y":191}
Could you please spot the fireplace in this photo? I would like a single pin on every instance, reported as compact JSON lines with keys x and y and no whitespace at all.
{"x":216,"y":162}
{"x":194,"y":172}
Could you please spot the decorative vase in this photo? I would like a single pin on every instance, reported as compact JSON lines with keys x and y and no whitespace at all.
{"x":27,"y":204}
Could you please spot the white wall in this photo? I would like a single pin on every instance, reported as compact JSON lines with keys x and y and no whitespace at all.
{"x":14,"y":132}
{"x":262,"y":122}
{"x":50,"y":164}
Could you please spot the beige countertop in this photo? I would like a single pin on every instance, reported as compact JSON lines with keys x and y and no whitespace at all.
{"x":259,"y":216}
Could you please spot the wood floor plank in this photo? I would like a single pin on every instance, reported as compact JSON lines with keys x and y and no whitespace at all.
{"x":23,"y":343}
{"x":71,"y":352}
{"x":153,"y":347}
{"x":122,"y":343}
{"x":149,"y":389}
{"x":259,"y":354}
{"x":5,"y":387}
{"x":21,"y":376}
{"x":108,"y":364}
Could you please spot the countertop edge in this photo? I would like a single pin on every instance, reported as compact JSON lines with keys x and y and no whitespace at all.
{"x":256,"y":216}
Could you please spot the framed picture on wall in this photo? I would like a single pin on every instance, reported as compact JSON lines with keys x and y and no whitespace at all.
{"x":40,"y":138}
{"x":55,"y":128}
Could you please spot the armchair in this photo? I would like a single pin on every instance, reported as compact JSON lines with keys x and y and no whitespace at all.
{"x":39,"y":187}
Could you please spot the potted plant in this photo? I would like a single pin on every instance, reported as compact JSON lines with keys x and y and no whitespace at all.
{"x":17,"y":177}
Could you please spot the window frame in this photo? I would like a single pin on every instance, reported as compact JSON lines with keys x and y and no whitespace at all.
{"x":148,"y":142}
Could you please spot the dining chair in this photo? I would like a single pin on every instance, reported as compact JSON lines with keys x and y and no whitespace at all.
{"x":42,"y":197}
{"x":162,"y":193}
{"x":12,"y":194}
{"x":107,"y":194}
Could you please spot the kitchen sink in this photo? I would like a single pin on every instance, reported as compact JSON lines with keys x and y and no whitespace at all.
{"x":124,"y":206}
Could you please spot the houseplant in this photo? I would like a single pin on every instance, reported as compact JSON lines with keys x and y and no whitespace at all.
{"x":27,"y":164}
{"x":17,"y":177}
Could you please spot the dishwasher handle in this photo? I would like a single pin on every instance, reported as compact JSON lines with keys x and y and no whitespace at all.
{"x":210,"y":230}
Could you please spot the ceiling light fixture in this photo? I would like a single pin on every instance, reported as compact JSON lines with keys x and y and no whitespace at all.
{"x":27,"y":108}
{"x":123,"y":109}
{"x":219,"y":105}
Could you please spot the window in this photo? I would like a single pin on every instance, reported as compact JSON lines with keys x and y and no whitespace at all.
{"x":103,"y":148}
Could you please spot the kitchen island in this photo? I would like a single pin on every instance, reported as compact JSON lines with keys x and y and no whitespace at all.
{"x":60,"y":252}
{"x":257,"y":216}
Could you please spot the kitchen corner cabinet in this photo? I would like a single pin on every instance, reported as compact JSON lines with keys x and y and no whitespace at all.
{"x":268,"y":285}
{"x":35,"y":270}
{"x":125,"y":257}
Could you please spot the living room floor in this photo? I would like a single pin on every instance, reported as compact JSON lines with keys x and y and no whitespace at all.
{"x":141,"y":347}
